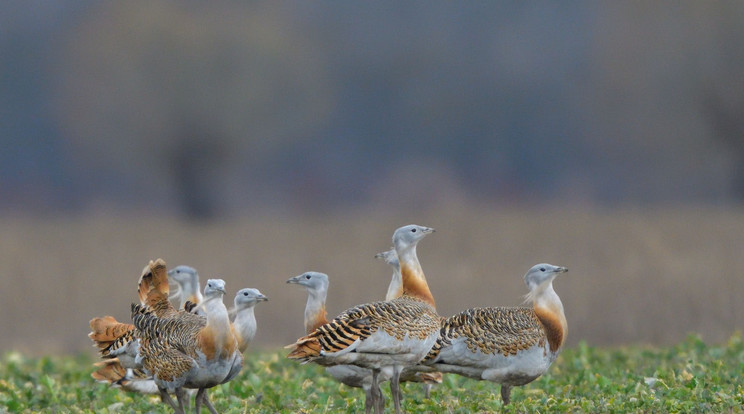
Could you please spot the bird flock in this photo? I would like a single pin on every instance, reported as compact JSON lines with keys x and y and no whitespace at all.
{"x":182,"y":342}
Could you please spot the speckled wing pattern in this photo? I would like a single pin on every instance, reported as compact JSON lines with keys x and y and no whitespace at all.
{"x":491,"y":331}
{"x":168,"y":345}
{"x":405,"y":315}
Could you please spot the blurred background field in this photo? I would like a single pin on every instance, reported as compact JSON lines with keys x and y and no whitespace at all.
{"x":255,"y":141}
{"x":635,"y":277}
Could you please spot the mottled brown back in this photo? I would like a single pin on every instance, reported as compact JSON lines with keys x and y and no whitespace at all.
{"x":492,"y":330}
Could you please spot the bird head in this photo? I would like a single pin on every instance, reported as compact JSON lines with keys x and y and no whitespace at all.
{"x":390,"y":257}
{"x":215,"y":288}
{"x":311,"y":280}
{"x":182,"y":274}
{"x":540,"y":274}
{"x":407,"y":236}
{"x":249,"y":297}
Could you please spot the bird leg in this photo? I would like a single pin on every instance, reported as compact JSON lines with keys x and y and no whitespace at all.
{"x":395,"y":388}
{"x":183,"y":399}
{"x":380,"y":400}
{"x":168,"y":400}
{"x":427,"y":390}
{"x":372,"y":394}
{"x":208,"y":403}
{"x":368,"y":400}
{"x":505,"y":393}
{"x":198,"y":400}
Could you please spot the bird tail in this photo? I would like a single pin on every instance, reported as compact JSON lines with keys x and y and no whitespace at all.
{"x":154,"y":277}
{"x":431,"y":377}
{"x":109,"y":372}
{"x":106,"y":331}
{"x":305,"y":349}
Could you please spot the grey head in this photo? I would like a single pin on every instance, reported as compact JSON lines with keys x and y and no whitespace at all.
{"x":407,"y":236}
{"x":215,"y":288}
{"x":390,"y":257}
{"x":311,"y":280}
{"x":183,"y":274}
{"x":542,"y":273}
{"x":248,"y":297}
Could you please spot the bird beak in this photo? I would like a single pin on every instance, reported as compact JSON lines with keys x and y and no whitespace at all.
{"x":428,"y":230}
{"x":561,"y":270}
{"x":294,"y":280}
{"x":222,"y":290}
{"x":262,"y":298}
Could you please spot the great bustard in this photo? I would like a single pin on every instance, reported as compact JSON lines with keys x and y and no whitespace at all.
{"x":510,"y":346}
{"x":137,"y":380}
{"x":316,"y":284}
{"x":186,"y":350}
{"x":395,"y":290}
{"x":387,"y":335}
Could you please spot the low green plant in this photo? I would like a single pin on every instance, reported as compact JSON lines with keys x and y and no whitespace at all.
{"x":688,"y":377}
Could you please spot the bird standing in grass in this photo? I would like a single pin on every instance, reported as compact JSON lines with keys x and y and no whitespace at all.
{"x":136,"y":380}
{"x":511,"y":346}
{"x":388,"y":335}
{"x":395,"y":290}
{"x":316,"y":284}
{"x":185,"y":350}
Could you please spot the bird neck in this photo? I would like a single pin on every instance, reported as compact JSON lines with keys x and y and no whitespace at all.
{"x":315,"y":311}
{"x":218,"y":333}
{"x":245,"y":327}
{"x":190,"y":292}
{"x":549,"y":309}
{"x":395,"y":289}
{"x":412,"y":276}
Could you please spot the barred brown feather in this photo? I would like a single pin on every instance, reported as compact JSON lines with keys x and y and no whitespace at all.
{"x":492,"y":330}
{"x":398,"y":318}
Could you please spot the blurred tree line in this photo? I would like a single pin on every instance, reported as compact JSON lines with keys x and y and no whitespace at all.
{"x":211,"y":108}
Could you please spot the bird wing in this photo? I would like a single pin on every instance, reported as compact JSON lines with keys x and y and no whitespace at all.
{"x":168,"y":344}
{"x":399,"y":318}
{"x":489,"y":331}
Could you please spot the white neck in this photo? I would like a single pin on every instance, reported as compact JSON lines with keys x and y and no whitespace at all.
{"x":190,"y":288}
{"x":544,"y":297}
{"x":408,"y":258}
{"x":218,"y":319}
{"x":316,"y":299}
{"x":395,"y":289}
{"x":245,"y":326}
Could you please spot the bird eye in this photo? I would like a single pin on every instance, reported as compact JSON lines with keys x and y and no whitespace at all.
{"x":413,"y":230}
{"x":245,"y":293}
{"x":307,"y":277}
{"x":542,"y":269}
{"x":178,"y":271}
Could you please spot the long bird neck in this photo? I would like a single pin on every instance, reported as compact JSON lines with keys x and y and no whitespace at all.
{"x":395,"y":289}
{"x":217,"y":337}
{"x":412,"y":276}
{"x":549,"y":309}
{"x":191,"y":292}
{"x":315,"y":311}
{"x":245,"y":327}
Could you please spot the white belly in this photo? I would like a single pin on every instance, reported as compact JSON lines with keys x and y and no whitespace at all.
{"x":517,"y":369}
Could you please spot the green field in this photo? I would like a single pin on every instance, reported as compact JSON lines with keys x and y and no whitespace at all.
{"x":691,"y":376}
